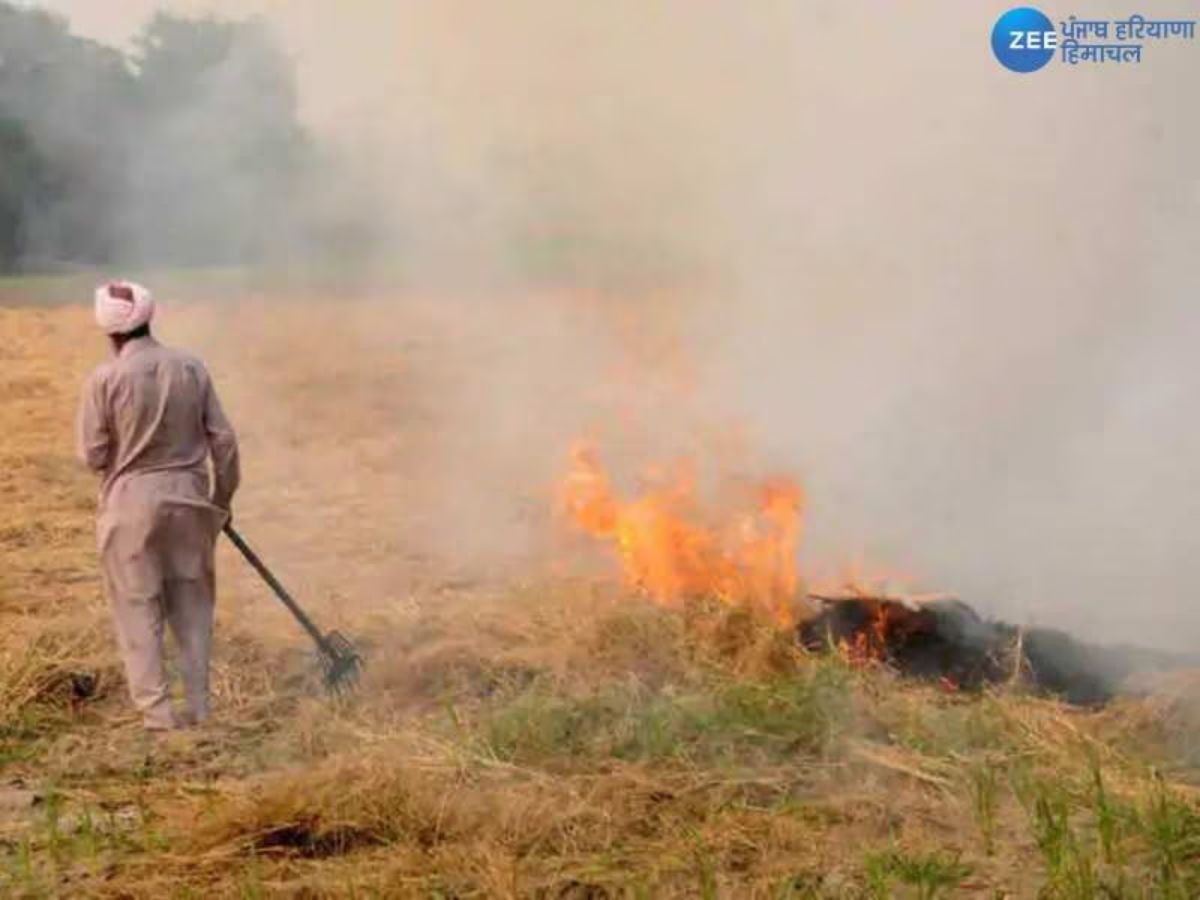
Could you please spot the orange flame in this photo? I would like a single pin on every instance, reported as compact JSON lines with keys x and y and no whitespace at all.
{"x":667,"y":552}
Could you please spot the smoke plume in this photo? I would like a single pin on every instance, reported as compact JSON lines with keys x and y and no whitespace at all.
{"x":956,"y":302}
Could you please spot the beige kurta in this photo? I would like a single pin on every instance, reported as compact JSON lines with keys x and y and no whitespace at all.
{"x":149,"y":423}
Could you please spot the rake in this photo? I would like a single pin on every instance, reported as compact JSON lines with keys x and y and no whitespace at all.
{"x":340,"y":662}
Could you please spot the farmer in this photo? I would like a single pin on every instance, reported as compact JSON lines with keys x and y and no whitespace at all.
{"x":149,"y":421}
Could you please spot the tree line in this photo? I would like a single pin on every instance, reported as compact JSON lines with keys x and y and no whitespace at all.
{"x":185,"y":149}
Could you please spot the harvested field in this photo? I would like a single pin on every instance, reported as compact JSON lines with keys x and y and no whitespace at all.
{"x":524,"y":729}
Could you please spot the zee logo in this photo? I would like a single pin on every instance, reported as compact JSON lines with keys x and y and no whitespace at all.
{"x":1024,"y":39}
{"x":1032,"y":40}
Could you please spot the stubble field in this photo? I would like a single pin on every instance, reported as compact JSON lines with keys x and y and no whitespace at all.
{"x":525,"y":726}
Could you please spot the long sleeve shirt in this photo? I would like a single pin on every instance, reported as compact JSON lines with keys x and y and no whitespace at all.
{"x":154,"y":409}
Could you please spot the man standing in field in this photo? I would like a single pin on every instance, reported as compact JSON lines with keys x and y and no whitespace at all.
{"x":149,"y":422}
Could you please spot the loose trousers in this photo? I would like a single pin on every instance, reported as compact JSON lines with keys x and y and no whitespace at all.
{"x":156,"y":549}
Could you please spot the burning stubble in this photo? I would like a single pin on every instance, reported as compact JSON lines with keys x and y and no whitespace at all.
{"x":668,"y":551}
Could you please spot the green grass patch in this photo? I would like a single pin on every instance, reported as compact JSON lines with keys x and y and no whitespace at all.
{"x":719,"y":721}
{"x":925,"y":876}
{"x":65,"y":843}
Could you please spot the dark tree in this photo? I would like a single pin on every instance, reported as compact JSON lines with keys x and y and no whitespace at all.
{"x":23,"y":188}
{"x":188,"y":151}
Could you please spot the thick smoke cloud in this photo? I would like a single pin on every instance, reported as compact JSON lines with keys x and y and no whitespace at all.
{"x":957,"y":302}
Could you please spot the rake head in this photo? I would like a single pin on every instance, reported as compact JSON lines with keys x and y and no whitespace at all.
{"x":340,"y":663}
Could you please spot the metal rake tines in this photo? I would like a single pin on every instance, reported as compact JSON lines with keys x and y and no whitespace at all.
{"x":341,"y":663}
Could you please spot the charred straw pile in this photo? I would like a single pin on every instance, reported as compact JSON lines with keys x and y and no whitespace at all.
{"x":946,"y":640}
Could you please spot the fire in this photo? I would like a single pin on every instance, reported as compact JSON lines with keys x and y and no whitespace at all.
{"x":668,"y":551}
{"x":869,"y":646}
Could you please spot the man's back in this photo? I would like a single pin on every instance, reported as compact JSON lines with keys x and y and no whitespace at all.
{"x":153,"y":409}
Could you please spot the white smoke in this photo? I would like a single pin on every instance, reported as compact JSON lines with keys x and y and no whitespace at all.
{"x":956,"y":301}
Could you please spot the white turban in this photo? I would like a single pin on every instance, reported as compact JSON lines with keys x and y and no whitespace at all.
{"x":122,"y":306}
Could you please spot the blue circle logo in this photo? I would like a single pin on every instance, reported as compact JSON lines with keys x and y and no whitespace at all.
{"x":1024,"y":39}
